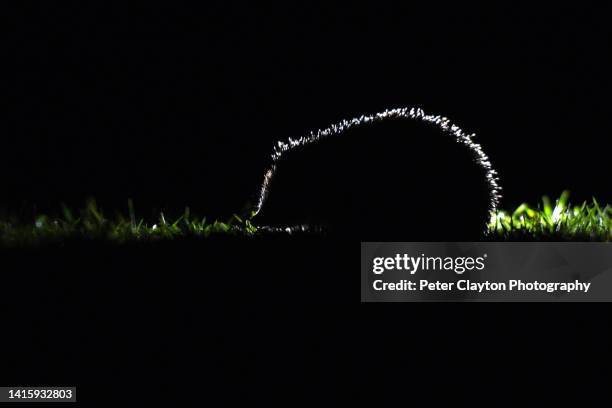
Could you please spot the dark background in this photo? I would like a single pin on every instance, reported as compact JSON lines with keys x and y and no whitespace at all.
{"x":180,"y":106}
{"x":176,"y":107}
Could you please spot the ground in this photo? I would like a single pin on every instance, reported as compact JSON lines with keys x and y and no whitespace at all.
{"x":546,"y":221}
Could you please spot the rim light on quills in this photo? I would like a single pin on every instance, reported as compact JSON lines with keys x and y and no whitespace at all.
{"x":416,"y":114}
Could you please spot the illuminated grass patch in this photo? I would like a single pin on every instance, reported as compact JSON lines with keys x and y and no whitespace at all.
{"x":546,"y":221}
{"x":561,"y":221}
{"x":91,"y":224}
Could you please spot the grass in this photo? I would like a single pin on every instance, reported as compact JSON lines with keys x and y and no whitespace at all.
{"x":91,"y":224}
{"x":547,"y":222}
{"x":559,"y":222}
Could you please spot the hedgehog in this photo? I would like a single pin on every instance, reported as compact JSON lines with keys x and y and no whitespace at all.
{"x":397,"y":175}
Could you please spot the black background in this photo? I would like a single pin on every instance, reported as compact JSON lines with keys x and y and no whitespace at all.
{"x":180,"y":106}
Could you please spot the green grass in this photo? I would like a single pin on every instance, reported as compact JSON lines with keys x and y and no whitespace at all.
{"x":559,"y":222}
{"x":92,"y":224}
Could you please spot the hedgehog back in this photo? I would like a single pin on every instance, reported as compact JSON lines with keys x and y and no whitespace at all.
{"x":397,"y":180}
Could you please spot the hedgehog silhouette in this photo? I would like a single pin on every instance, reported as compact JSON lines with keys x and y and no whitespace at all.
{"x":398,"y":175}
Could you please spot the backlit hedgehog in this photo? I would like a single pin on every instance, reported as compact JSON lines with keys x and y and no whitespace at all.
{"x":398,"y":175}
